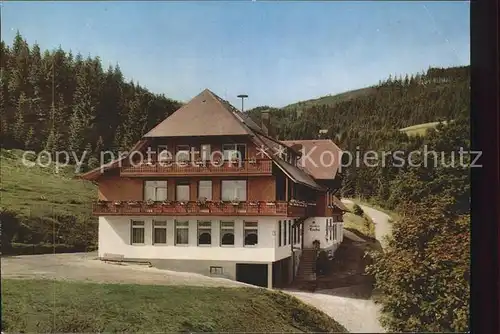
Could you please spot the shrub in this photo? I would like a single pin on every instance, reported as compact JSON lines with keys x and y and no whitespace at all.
{"x":322,"y":263}
{"x":423,"y":276}
{"x":356,"y":209}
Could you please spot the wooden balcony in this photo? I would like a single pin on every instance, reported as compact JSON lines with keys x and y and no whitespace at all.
{"x":203,"y":168}
{"x":283,"y":209}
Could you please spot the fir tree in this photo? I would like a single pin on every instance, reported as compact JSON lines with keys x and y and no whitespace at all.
{"x":18,"y":129}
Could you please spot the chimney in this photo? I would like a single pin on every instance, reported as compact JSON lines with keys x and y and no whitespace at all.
{"x":265,"y":121}
{"x":322,"y":133}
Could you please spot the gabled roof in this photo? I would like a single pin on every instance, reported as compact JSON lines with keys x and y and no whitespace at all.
{"x":325,"y":169}
{"x":209,"y":115}
{"x":204,"y":115}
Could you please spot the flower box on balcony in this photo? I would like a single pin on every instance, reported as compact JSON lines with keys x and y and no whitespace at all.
{"x":133,"y":203}
{"x":117,"y":203}
{"x":252,"y":161}
{"x":271,"y":203}
{"x":181,"y":206}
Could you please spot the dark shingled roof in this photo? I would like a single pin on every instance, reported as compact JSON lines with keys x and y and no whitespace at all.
{"x":204,"y":115}
{"x":209,"y":115}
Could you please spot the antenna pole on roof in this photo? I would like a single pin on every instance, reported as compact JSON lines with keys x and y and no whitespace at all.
{"x":242,"y":97}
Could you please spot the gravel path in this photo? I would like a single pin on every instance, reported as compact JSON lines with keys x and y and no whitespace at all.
{"x":356,"y":315}
{"x":85,"y":267}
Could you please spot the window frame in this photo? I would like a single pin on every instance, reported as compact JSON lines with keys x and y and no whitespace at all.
{"x":182,"y":183}
{"x":177,"y":226}
{"x":284,"y":233}
{"x":279,"y":233}
{"x":203,"y":228}
{"x":211,"y":189}
{"x":141,"y":224}
{"x":256,"y":228}
{"x":221,"y":232}
{"x":154,"y":227}
{"x":235,"y":148}
{"x":233,"y":180}
{"x":145,"y":186}
{"x":204,"y":156}
{"x":178,"y":150}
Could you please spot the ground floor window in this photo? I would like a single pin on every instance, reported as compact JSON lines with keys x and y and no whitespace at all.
{"x":289,"y":232}
{"x":335,"y":231}
{"x":227,"y":233}
{"x":279,"y":233}
{"x":182,"y":232}
{"x":137,"y":232}
{"x":159,"y":232}
{"x":284,"y":232}
{"x":250,"y":234}
{"x":204,"y":233}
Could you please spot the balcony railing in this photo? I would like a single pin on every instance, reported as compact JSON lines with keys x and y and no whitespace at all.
{"x":200,"y":168}
{"x":216,"y":208}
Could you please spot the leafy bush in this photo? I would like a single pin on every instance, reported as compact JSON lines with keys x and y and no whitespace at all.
{"x":30,"y":235}
{"x":356,"y":209}
{"x":322,"y":264}
{"x":423,"y":276}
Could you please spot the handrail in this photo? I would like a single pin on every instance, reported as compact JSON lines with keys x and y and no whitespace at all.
{"x":255,"y":208}
{"x":260,"y":166}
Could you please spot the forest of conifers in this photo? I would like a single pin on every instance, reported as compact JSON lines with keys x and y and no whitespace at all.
{"x":55,"y":100}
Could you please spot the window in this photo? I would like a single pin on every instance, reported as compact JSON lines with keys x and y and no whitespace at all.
{"x":250,"y":234}
{"x":137,"y":233}
{"x":279,"y":233}
{"x":205,"y":189}
{"x":227,"y":233}
{"x":289,"y":232}
{"x":295,"y":234}
{"x":182,"y":191}
{"x":335,"y":232}
{"x":155,"y":190}
{"x":183,"y":153}
{"x":181,"y":232}
{"x":159,"y":232}
{"x":284,"y":232}
{"x":205,"y":152}
{"x":216,"y":270}
{"x":163,"y":153}
{"x":234,"y":151}
{"x":234,"y":190}
{"x":204,"y":233}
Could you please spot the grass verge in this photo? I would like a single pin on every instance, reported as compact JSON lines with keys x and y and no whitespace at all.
{"x":55,"y":306}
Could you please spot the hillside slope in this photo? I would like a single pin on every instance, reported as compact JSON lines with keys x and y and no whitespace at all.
{"x":90,"y":307}
{"x":44,"y":206}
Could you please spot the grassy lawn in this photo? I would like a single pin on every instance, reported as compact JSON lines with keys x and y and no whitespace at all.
{"x":55,"y":306}
{"x":419,"y":129}
{"x":358,"y":224}
{"x":38,"y":191}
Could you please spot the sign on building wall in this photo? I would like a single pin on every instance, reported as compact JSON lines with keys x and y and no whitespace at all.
{"x":313,"y":227}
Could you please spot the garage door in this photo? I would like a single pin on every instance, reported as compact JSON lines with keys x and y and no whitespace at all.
{"x":255,"y":274}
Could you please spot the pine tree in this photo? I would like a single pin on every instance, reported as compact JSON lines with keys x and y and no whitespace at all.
{"x":18,"y":129}
{"x":29,"y":142}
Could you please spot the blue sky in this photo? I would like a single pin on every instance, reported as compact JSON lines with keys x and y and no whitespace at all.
{"x":276,"y":52}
